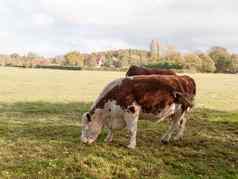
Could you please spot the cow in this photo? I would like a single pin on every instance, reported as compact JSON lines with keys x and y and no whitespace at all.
{"x":122,"y":100}
{"x":136,"y":70}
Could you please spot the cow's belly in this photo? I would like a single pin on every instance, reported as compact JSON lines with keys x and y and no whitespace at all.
{"x":118,"y":123}
{"x":116,"y":115}
{"x":164,"y":113}
{"x":148,"y":116}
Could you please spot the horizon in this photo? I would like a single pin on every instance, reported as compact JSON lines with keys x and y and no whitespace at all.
{"x":52,"y":28}
{"x":106,"y":50}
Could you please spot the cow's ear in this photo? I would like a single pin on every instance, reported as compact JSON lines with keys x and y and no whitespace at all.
{"x":176,"y":93}
{"x":88,"y":117}
{"x":132,"y":109}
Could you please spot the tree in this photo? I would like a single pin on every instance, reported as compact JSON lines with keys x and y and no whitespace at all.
{"x":116,"y":62}
{"x":74,"y":58}
{"x":26,"y":61}
{"x":4,"y":60}
{"x":91,"y":60}
{"x":234,"y":63}
{"x":125,"y":61}
{"x":221,"y":57}
{"x":135,"y":60}
{"x":193,"y":62}
{"x":108,"y":63}
{"x":174,"y":57}
{"x":32,"y":55}
{"x":208,"y":65}
{"x":15,"y":55}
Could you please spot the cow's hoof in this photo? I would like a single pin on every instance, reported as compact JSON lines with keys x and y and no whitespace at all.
{"x":90,"y":141}
{"x":177,"y":139}
{"x":131,"y":146}
{"x":108,"y":141}
{"x":84,"y":140}
{"x":163,"y":141}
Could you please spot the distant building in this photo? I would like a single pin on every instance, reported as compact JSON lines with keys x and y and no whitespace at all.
{"x":154,"y":48}
{"x":158,"y":50}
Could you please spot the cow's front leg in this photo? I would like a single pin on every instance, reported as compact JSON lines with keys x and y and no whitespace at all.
{"x":109,"y":137}
{"x":132,"y":127}
{"x":131,"y":119}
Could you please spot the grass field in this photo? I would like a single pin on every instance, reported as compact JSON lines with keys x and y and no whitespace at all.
{"x":40,"y":113}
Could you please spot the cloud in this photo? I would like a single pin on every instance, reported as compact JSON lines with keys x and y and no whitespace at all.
{"x":53,"y":27}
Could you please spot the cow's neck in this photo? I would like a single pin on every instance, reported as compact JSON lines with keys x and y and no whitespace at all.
{"x":101,"y":117}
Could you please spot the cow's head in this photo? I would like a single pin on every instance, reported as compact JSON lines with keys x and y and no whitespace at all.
{"x":92,"y":126}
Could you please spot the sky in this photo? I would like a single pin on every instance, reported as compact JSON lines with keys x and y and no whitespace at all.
{"x":54,"y":27}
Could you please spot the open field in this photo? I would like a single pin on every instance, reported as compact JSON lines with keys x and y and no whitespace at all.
{"x":40,"y":113}
{"x":215,"y":91}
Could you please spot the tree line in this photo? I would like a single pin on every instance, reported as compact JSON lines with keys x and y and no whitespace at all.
{"x":216,"y":59}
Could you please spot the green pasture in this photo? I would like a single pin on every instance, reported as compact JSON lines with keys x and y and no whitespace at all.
{"x":40,"y":112}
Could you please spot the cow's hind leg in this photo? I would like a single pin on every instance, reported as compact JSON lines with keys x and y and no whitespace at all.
{"x":181,"y":128}
{"x":167,"y":136}
{"x":174,"y":127}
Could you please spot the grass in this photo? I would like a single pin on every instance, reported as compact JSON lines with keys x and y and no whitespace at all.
{"x":40,"y":112}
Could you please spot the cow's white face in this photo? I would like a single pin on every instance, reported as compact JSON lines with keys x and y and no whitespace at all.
{"x":91,"y":127}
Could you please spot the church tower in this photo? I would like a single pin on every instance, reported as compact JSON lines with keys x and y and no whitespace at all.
{"x":154,"y":49}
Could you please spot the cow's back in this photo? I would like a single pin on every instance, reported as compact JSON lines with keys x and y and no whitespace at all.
{"x":135,"y":70}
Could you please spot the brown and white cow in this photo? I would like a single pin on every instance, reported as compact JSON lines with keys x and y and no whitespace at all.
{"x":120,"y":103}
{"x":136,"y":70}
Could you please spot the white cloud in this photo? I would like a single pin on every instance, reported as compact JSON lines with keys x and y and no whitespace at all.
{"x":42,"y":19}
{"x":57,"y":26}
{"x":90,"y":11}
